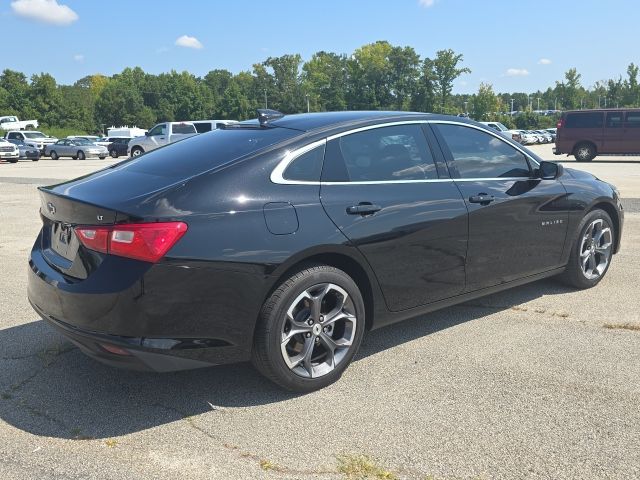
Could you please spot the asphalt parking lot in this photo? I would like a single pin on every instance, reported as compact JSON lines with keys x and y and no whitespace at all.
{"x":537,"y":382}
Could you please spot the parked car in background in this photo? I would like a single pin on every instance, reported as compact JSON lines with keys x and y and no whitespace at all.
{"x":203,"y":126}
{"x":26,"y":151}
{"x":527,"y":138}
{"x":169,"y":262}
{"x":587,"y":133}
{"x":12,"y":123}
{"x":118,"y":146}
{"x":552,"y":132}
{"x":160,"y":135}
{"x":546,"y":136}
{"x":79,"y":148}
{"x":32,"y":138}
{"x":9,"y":151}
{"x":125,"y":131}
{"x":499,"y":127}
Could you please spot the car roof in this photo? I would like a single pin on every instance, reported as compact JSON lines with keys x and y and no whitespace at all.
{"x":308,"y":122}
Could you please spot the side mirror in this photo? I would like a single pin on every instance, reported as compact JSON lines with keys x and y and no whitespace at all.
{"x":550,"y":170}
{"x":146,"y":134}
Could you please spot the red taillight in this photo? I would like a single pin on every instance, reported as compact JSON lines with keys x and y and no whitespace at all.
{"x":142,"y":241}
{"x":560,"y":123}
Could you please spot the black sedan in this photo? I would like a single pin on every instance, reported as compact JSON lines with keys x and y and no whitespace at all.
{"x":284,"y":239}
{"x":118,"y":146}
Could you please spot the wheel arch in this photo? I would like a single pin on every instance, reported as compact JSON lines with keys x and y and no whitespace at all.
{"x":612,"y":211}
{"x":343,"y":259}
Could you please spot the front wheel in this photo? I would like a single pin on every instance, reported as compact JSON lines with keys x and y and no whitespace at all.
{"x":113,"y":153}
{"x":53,"y":155}
{"x":309,"y":329}
{"x":81,"y":155}
{"x":136,"y":151}
{"x":591,"y":252}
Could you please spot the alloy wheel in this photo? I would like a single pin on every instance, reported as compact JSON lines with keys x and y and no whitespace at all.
{"x":595,"y":249}
{"x":318,"y":331}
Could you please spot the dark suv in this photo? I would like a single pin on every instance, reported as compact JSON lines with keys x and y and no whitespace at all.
{"x":587,"y":133}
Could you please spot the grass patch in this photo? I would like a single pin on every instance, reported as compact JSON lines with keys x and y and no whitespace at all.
{"x":622,"y":326}
{"x":110,"y":443}
{"x":362,"y":467}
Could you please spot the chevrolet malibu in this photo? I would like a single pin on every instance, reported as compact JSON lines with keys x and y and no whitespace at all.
{"x":284,"y":239}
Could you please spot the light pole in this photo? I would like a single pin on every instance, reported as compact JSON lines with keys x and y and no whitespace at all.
{"x":538,"y":103}
{"x":555,"y":104}
{"x":265,"y":98}
{"x":465,"y":107}
{"x":307,"y":96}
{"x":511,"y":107}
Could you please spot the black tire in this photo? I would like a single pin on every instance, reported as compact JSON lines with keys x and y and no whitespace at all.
{"x":574,"y":275}
{"x":35,"y":159}
{"x":114,"y":153}
{"x":584,"y":152}
{"x":13,"y":160}
{"x":81,"y":155}
{"x":135,"y":151}
{"x":267,"y":356}
{"x":54,"y":155}
{"x":102,"y":157}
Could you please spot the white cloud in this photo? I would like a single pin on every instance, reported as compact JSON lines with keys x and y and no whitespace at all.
{"x":46,"y":11}
{"x":189,"y":42}
{"x":78,"y":57}
{"x":517,"y":72}
{"x":426,"y":3}
{"x":544,"y":61}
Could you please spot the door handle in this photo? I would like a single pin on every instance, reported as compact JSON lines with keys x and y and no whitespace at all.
{"x":482,"y":199}
{"x":363,"y":208}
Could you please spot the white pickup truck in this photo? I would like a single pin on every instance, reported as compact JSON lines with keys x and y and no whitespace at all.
{"x":33,"y":138}
{"x":12,"y":123}
{"x":160,"y":135}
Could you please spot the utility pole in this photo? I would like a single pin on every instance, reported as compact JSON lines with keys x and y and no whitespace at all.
{"x":307,"y":96}
{"x":265,"y":98}
{"x":555,"y":104}
{"x":465,"y":107}
{"x":512,"y":107}
{"x":538,"y":103}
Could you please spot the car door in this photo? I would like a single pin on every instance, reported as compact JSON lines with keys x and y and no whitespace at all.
{"x":388,"y":193}
{"x":613,"y":133}
{"x":517,"y":221}
{"x":632,"y":132}
{"x":157,"y":136}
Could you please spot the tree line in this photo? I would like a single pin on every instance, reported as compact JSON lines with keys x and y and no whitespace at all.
{"x":376,"y":76}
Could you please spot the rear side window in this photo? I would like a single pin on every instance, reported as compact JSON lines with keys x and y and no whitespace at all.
{"x":633,"y":120}
{"x":477,"y":154}
{"x":388,"y":153}
{"x":307,"y":167}
{"x":200,"y":153}
{"x":184,"y":128}
{"x":614,"y":120}
{"x":584,"y":120}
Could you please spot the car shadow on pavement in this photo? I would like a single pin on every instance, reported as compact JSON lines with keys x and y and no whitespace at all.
{"x":49,"y":388}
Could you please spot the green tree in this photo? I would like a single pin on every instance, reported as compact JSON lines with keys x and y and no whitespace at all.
{"x":446,"y":71}
{"x":324,"y":80}
{"x":485,"y":102}
{"x":283,"y":74}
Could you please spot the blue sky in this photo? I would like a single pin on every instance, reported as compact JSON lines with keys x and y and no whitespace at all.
{"x":516,"y":45}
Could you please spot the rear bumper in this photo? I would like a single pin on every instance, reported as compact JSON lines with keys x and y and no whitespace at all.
{"x":167,"y":317}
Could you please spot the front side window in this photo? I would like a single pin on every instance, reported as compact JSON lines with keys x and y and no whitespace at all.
{"x":307,"y":167}
{"x":584,"y":120}
{"x":477,"y":154}
{"x":158,"y":130}
{"x":388,"y":153}
{"x":633,"y":120}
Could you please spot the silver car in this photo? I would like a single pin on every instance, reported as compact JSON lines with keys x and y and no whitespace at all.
{"x":79,"y":148}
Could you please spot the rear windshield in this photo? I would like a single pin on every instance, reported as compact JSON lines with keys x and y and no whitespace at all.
{"x":584,"y":120}
{"x":209,"y":150}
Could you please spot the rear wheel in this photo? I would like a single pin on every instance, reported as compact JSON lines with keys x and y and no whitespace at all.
{"x":54,"y":155}
{"x":584,"y":152}
{"x":135,"y":151}
{"x":592,"y":251}
{"x":102,"y":157}
{"x":13,"y":160}
{"x":309,"y":329}
{"x":113,"y":153}
{"x":81,"y":155}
